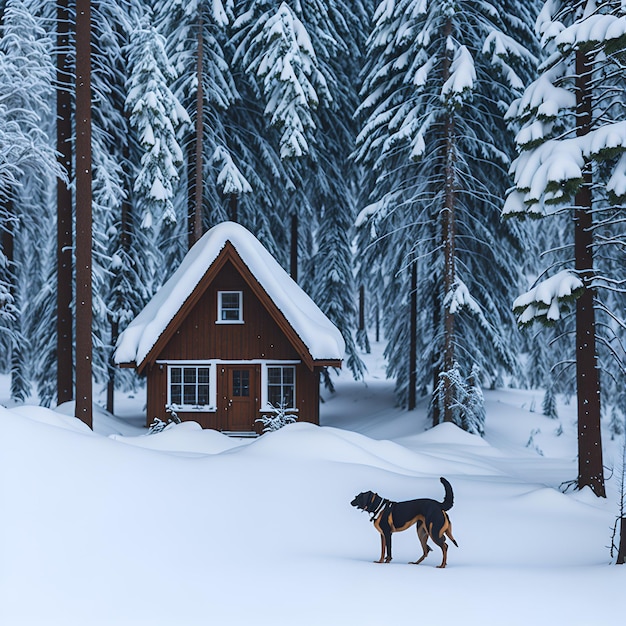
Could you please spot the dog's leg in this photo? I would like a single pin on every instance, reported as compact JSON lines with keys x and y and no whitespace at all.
{"x":422,"y":535}
{"x":382,"y":549}
{"x":388,"y":544}
{"x":448,"y":531}
{"x":440,"y":539}
{"x":444,"y":550}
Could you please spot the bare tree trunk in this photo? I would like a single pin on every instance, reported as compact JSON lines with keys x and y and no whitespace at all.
{"x":590,"y":468}
{"x":125,"y":243}
{"x":197,"y":226}
{"x":233,"y":205}
{"x":449,"y":241}
{"x":293,"y":265}
{"x":621,"y":552}
{"x":64,"y":323}
{"x":84,"y":391}
{"x":412,"y":391}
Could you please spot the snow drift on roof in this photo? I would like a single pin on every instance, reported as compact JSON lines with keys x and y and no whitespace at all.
{"x":319,"y":335}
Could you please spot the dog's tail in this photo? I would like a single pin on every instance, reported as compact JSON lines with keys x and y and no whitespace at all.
{"x":448,"y":500}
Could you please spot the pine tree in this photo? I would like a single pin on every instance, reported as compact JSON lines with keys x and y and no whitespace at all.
{"x":155,"y":115}
{"x":119,"y":258}
{"x":436,"y":79}
{"x":26,"y":165}
{"x":196,"y":35}
{"x":571,"y":163}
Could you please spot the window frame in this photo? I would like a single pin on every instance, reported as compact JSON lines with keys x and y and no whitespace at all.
{"x":221,"y":308}
{"x":265,"y":385}
{"x":211,"y":392}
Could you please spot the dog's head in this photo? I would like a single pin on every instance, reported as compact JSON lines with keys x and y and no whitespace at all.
{"x":366,"y":501}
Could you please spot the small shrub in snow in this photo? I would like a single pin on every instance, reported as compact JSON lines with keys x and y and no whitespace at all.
{"x":616,"y":424}
{"x":468,"y":404}
{"x":158,"y":425}
{"x":531,"y":441}
{"x":548,"y":406}
{"x":276,"y":418}
{"x":618,"y":550}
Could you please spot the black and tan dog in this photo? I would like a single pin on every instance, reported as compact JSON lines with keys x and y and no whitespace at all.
{"x":429,"y":515}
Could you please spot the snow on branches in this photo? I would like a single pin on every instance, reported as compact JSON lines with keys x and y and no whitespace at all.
{"x":278,"y":55}
{"x":155,"y":114}
{"x":545,"y":300}
{"x":230,"y":180}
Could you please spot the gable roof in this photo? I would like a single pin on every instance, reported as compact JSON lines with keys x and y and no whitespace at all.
{"x":308,"y":326}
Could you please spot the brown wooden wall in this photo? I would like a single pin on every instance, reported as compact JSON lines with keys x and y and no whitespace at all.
{"x":199,"y":337}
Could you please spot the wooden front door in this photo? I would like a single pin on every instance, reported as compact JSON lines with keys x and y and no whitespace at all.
{"x":238,"y":397}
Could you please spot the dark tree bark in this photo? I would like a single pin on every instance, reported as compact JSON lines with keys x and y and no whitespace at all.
{"x":448,"y":217}
{"x":590,"y":468}
{"x":233,"y":206}
{"x":293,"y":258}
{"x":621,"y":551}
{"x":64,"y":324}
{"x":412,"y":391}
{"x":125,"y":242}
{"x":84,"y":348}
{"x":197,"y":228}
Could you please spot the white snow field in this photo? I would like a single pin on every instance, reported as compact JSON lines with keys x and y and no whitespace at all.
{"x":190,"y":527}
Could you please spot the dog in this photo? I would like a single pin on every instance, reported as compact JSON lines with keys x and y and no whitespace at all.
{"x":430,"y":516}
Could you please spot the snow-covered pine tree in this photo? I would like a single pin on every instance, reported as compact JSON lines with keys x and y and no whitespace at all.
{"x":573,"y":154}
{"x":155,"y":115}
{"x":338,"y":33}
{"x":276,"y":51}
{"x":295,"y":58}
{"x":27,"y":161}
{"x":474,"y":418}
{"x":196,"y":36}
{"x":121,"y":263}
{"x":275,"y":54}
{"x":436,"y":80}
{"x":548,"y":405}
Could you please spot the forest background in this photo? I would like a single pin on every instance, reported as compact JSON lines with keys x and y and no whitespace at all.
{"x":381,"y":152}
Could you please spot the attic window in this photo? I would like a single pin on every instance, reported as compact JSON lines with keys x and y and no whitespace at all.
{"x":229,"y":307}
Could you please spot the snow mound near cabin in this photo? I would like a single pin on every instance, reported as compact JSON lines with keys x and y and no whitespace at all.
{"x":306,"y":441}
{"x":186,"y":438}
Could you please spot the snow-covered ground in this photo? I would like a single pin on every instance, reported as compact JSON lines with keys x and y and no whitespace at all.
{"x":191,"y":527}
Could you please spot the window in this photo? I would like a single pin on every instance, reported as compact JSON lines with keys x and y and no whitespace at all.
{"x":229,"y":307}
{"x":281,"y":385}
{"x":241,"y":383}
{"x":189,"y":386}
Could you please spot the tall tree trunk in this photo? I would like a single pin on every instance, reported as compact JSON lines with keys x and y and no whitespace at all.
{"x":125,"y":242}
{"x":84,"y":391}
{"x":590,"y":468}
{"x":412,"y":391}
{"x":436,"y":362}
{"x":233,"y":205}
{"x":293,"y":257}
{"x":64,"y":323}
{"x":196,"y":225}
{"x":449,"y":239}
{"x":621,"y":550}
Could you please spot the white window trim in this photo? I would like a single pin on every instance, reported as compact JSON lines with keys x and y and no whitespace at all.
{"x":265,"y":404}
{"x":191,"y":408}
{"x":219,"y":319}
{"x":213,"y":365}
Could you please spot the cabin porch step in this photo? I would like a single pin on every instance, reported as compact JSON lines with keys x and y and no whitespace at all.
{"x":246,"y":434}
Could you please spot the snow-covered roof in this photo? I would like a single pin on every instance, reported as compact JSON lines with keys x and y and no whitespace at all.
{"x":320,"y":336}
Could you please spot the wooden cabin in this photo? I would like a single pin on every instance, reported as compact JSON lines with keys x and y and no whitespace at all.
{"x":229,"y":336}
